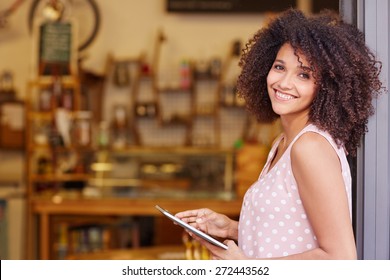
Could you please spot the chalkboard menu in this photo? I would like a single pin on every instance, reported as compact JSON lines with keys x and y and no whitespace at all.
{"x":55,"y":42}
{"x":55,"y":47}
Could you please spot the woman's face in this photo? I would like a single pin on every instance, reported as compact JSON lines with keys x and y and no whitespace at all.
{"x":291,"y":85}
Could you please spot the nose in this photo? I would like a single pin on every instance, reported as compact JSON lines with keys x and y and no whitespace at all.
{"x":285,"y":81}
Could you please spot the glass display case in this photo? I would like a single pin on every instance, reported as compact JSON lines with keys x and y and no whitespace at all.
{"x":162,"y":172}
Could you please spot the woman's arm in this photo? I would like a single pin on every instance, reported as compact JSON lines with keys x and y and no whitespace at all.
{"x":317,"y":170}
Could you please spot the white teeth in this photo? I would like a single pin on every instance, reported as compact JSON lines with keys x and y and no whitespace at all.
{"x":283,"y":96}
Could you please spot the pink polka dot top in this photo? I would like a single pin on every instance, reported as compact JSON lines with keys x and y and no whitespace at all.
{"x":273,"y":221}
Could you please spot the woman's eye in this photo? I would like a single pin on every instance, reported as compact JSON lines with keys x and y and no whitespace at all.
{"x":278,"y":67}
{"x":304,"y":75}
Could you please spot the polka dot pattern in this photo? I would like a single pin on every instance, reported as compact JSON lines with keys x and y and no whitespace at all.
{"x":273,"y":221}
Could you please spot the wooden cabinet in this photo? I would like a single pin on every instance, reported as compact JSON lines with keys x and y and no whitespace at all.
{"x":57,"y":142}
{"x":58,"y":137}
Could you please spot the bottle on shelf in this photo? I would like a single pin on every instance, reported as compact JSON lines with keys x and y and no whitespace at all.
{"x":56,"y":93}
{"x":67,"y":100}
{"x":103,"y":135}
{"x":185,"y":75}
{"x":120,"y":128}
{"x":44,"y":165}
{"x":55,"y":138}
{"x":82,"y":129}
{"x":45,"y":103}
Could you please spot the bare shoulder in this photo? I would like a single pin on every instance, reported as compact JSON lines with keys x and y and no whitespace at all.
{"x":315,"y":164}
{"x":313,"y":147}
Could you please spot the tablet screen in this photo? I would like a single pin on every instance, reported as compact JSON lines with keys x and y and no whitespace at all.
{"x":191,"y":228}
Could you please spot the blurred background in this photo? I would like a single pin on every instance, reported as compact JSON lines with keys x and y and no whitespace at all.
{"x":110,"y":107}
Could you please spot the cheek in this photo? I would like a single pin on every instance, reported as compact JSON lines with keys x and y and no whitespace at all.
{"x":270,"y":82}
{"x":269,"y":76}
{"x":309,"y":91}
{"x":270,"y":79}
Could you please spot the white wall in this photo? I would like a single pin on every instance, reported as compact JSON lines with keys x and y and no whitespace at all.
{"x":15,"y":54}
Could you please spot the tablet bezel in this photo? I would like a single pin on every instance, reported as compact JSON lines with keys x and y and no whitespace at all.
{"x":191,"y":228}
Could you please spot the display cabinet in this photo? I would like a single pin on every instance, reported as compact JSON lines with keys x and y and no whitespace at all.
{"x":115,"y":208}
{"x":58,"y":134}
{"x":57,"y":141}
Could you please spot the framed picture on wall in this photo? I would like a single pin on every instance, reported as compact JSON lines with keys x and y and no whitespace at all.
{"x":227,"y":6}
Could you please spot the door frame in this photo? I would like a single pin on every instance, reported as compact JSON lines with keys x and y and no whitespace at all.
{"x":371,"y":166}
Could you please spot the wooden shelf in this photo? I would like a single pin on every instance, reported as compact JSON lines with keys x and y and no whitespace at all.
{"x":206,"y":77}
{"x":168,"y":252}
{"x":126,"y":206}
{"x":174,"y":150}
{"x":205,"y":114}
{"x":232,"y":106}
{"x":43,"y":82}
{"x":142,"y":150}
{"x":176,"y":122}
{"x":36,"y":115}
{"x":65,"y":149}
{"x":174,"y":90}
{"x":59,"y":177}
{"x":49,"y":115}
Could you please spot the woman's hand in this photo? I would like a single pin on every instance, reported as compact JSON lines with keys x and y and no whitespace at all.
{"x":210,"y":222}
{"x":217,"y":253}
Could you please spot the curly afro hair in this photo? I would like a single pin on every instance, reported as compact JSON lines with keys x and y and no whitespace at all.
{"x":346,"y":72}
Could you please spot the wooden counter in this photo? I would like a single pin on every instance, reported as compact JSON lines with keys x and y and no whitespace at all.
{"x":176,"y":252}
{"x":45,"y":208}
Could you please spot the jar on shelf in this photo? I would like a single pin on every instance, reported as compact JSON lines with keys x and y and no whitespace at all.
{"x":81,"y":130}
{"x":185,"y":75}
{"x":103,"y":135}
{"x":45,"y":104}
{"x":120,"y":127}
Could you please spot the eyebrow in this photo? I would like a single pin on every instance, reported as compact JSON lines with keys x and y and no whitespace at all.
{"x":304,"y":68}
{"x":307,"y":69}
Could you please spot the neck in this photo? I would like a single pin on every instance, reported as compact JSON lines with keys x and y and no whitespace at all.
{"x":292,"y":126}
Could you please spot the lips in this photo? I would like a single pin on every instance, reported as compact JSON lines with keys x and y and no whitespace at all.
{"x":283,"y":96}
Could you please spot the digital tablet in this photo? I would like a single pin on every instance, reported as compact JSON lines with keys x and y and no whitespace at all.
{"x":191,"y":228}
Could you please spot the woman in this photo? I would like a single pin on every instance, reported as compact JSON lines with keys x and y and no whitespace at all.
{"x":317,"y":75}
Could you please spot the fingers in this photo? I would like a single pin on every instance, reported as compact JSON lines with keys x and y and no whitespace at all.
{"x":186,"y":214}
{"x":222,"y":254}
{"x":198,"y":218}
{"x":192,"y":215}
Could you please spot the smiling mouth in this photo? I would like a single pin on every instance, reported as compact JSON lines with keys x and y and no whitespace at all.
{"x":283,"y":96}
